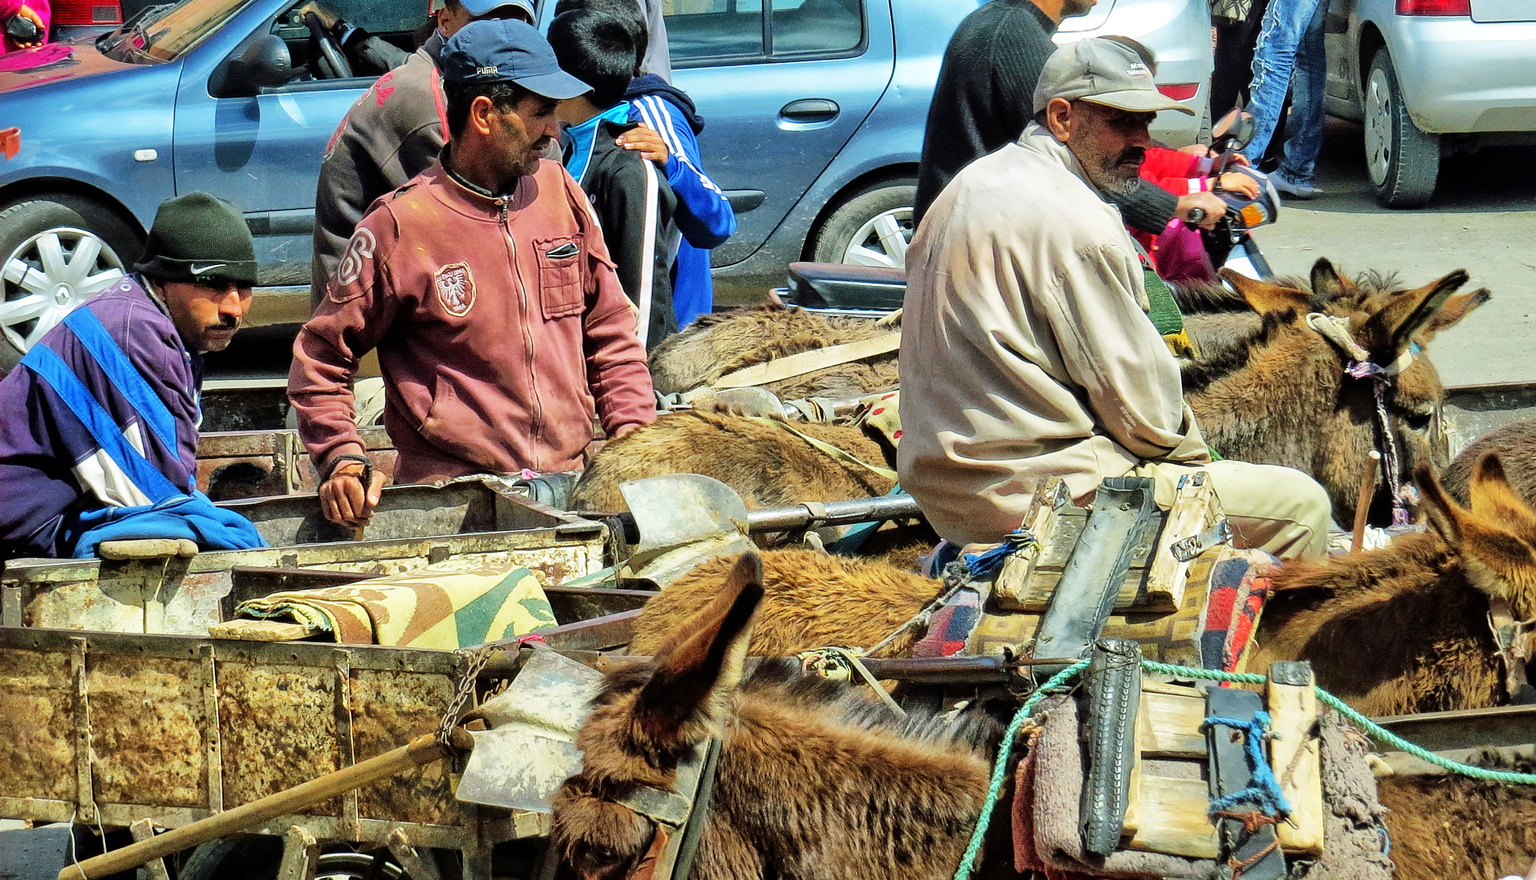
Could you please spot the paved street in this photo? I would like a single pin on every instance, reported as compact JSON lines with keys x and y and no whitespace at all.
{"x":1483,"y":219}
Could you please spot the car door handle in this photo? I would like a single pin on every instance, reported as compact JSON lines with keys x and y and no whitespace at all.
{"x":809,"y":110}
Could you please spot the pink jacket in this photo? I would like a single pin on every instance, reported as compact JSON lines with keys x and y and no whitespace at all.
{"x":499,"y":324}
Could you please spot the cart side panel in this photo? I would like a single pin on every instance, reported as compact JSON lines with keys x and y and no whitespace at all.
{"x":389,"y":709}
{"x":148,"y":731}
{"x":278,"y":727}
{"x":37,"y":725}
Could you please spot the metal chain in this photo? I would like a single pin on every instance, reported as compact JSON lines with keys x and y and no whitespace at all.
{"x":477,"y":659}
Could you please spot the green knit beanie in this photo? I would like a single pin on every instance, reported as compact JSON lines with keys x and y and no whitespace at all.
{"x":199,"y":238}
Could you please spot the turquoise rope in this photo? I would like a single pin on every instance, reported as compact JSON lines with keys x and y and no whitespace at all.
{"x":1000,"y":770}
{"x":1381,"y":734}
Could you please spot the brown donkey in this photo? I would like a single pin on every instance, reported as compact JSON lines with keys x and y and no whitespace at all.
{"x":1285,"y":396}
{"x":1405,"y":629}
{"x":813,"y":781}
{"x":766,"y":464}
{"x":723,"y":342}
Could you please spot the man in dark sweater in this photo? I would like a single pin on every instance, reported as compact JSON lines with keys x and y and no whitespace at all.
{"x":985,"y":95}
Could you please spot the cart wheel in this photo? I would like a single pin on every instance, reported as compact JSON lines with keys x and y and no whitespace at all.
{"x":258,"y":857}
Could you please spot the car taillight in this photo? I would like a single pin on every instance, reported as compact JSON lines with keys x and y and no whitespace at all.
{"x":77,"y":13}
{"x":1180,"y":91}
{"x":1434,"y":7}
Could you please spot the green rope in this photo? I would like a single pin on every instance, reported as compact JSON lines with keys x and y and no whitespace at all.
{"x":1000,"y":769}
{"x":1381,"y":734}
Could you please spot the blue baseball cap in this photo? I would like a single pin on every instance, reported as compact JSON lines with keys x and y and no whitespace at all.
{"x":482,"y":8}
{"x":503,"y":50}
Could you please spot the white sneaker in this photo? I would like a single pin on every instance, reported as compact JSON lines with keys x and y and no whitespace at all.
{"x":1302,"y":190}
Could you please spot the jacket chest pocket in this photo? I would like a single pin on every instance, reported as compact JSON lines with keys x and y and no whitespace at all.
{"x":561,"y":291}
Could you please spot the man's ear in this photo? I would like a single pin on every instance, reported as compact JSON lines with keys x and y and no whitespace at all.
{"x":480,"y":111}
{"x":1058,"y":118}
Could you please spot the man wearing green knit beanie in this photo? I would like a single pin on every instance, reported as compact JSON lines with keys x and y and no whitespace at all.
{"x":107,"y":449}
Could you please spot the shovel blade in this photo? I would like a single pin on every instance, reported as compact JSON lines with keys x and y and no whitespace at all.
{"x":677,"y":509}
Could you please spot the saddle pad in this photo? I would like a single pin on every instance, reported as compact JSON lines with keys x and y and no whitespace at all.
{"x":453,"y":604}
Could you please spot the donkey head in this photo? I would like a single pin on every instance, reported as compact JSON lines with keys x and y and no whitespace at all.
{"x":644,"y":722}
{"x":1496,"y":537}
{"x":1334,"y":391}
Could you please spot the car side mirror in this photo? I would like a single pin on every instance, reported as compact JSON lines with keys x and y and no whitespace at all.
{"x":264,"y":63}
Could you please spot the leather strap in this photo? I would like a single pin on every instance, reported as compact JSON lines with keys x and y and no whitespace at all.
{"x":1114,"y":696}
{"x":828,"y":448}
{"x":1123,"y":515}
{"x":779,"y":369}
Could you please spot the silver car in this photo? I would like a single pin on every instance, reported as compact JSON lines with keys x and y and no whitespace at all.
{"x":1427,"y":77}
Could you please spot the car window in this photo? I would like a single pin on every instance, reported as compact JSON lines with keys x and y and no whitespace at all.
{"x":391,"y":25}
{"x":706,"y":32}
{"x":170,"y":30}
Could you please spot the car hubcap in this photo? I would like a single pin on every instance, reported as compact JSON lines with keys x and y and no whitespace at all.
{"x":47,"y":276}
{"x":882,"y":241}
{"x":1378,"y":126}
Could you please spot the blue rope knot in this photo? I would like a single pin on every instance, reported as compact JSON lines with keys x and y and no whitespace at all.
{"x":986,"y":564}
{"x":1263,"y":789}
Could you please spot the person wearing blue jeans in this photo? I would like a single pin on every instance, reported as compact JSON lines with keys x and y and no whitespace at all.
{"x":1290,"y":55}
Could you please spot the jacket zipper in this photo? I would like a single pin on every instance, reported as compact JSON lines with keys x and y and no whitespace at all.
{"x":522,"y":296}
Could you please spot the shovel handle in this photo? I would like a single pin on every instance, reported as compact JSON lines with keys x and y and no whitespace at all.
{"x":423,"y":749}
{"x":1363,"y":503}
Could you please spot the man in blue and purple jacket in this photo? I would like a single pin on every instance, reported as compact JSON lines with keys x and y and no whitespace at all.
{"x":99,"y":437}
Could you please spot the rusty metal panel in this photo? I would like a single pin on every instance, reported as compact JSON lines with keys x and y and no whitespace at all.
{"x":185,"y":596}
{"x":390,"y":708}
{"x":277,"y":727}
{"x":148,"y":730}
{"x":37,"y":724}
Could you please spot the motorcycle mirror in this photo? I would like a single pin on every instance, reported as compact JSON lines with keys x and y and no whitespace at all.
{"x":1236,"y":128}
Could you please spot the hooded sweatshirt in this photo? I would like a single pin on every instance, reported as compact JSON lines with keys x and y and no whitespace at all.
{"x":704,"y":215}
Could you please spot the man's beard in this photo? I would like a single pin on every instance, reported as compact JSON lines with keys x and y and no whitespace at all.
{"x":1108,"y":174}
{"x":1074,"y":8}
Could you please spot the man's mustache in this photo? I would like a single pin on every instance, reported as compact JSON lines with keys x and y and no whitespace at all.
{"x":1136,"y":155}
{"x":226,"y":323}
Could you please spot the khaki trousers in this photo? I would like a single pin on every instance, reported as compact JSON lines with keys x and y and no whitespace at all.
{"x":1277,"y":509}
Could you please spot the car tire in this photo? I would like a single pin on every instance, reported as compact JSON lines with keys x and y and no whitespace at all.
{"x":60,"y":249}
{"x":1403,"y":162}
{"x":871,"y":228}
{"x":259,"y":857}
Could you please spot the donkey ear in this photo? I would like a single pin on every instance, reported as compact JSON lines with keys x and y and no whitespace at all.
{"x":1327,"y":286}
{"x":1266,"y":298}
{"x":1391,"y":330}
{"x":1456,"y":307}
{"x":1444,"y":515}
{"x":706,"y":654}
{"x":1493,"y":498}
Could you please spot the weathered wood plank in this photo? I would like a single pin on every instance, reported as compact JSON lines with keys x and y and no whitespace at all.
{"x":1295,"y":754}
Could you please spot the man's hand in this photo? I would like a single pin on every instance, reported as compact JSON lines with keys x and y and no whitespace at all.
{"x":343,"y":499}
{"x":1241,"y":184}
{"x":31,"y":15}
{"x":1209,"y":203}
{"x":647,"y":143}
{"x":627,"y":430}
{"x":327,"y":18}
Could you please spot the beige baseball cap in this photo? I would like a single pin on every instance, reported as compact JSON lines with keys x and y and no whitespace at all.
{"x":1103,"y":72}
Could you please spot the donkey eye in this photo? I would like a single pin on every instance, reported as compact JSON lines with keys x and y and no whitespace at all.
{"x":1419,"y":421}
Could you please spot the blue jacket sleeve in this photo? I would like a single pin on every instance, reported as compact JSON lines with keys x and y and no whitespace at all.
{"x":704,"y":215}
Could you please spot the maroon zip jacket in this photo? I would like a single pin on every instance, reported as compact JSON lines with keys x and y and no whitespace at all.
{"x":499,"y":324}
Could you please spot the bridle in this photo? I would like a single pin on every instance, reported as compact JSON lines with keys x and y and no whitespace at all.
{"x":677,"y":814}
{"x":1360,"y":366}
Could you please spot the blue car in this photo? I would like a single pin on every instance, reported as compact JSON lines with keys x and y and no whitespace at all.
{"x":815,"y":123}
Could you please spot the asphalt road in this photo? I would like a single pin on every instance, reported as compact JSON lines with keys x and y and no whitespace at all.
{"x":1482,"y":219}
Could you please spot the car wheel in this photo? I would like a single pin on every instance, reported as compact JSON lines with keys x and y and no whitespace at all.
{"x":1403,"y":161}
{"x":259,"y":856}
{"x":871,"y":229}
{"x":55,"y":252}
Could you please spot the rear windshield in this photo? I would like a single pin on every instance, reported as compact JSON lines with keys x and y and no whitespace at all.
{"x":169,"y":30}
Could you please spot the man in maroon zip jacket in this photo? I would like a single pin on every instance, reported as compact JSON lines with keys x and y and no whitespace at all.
{"x":487,"y":290}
